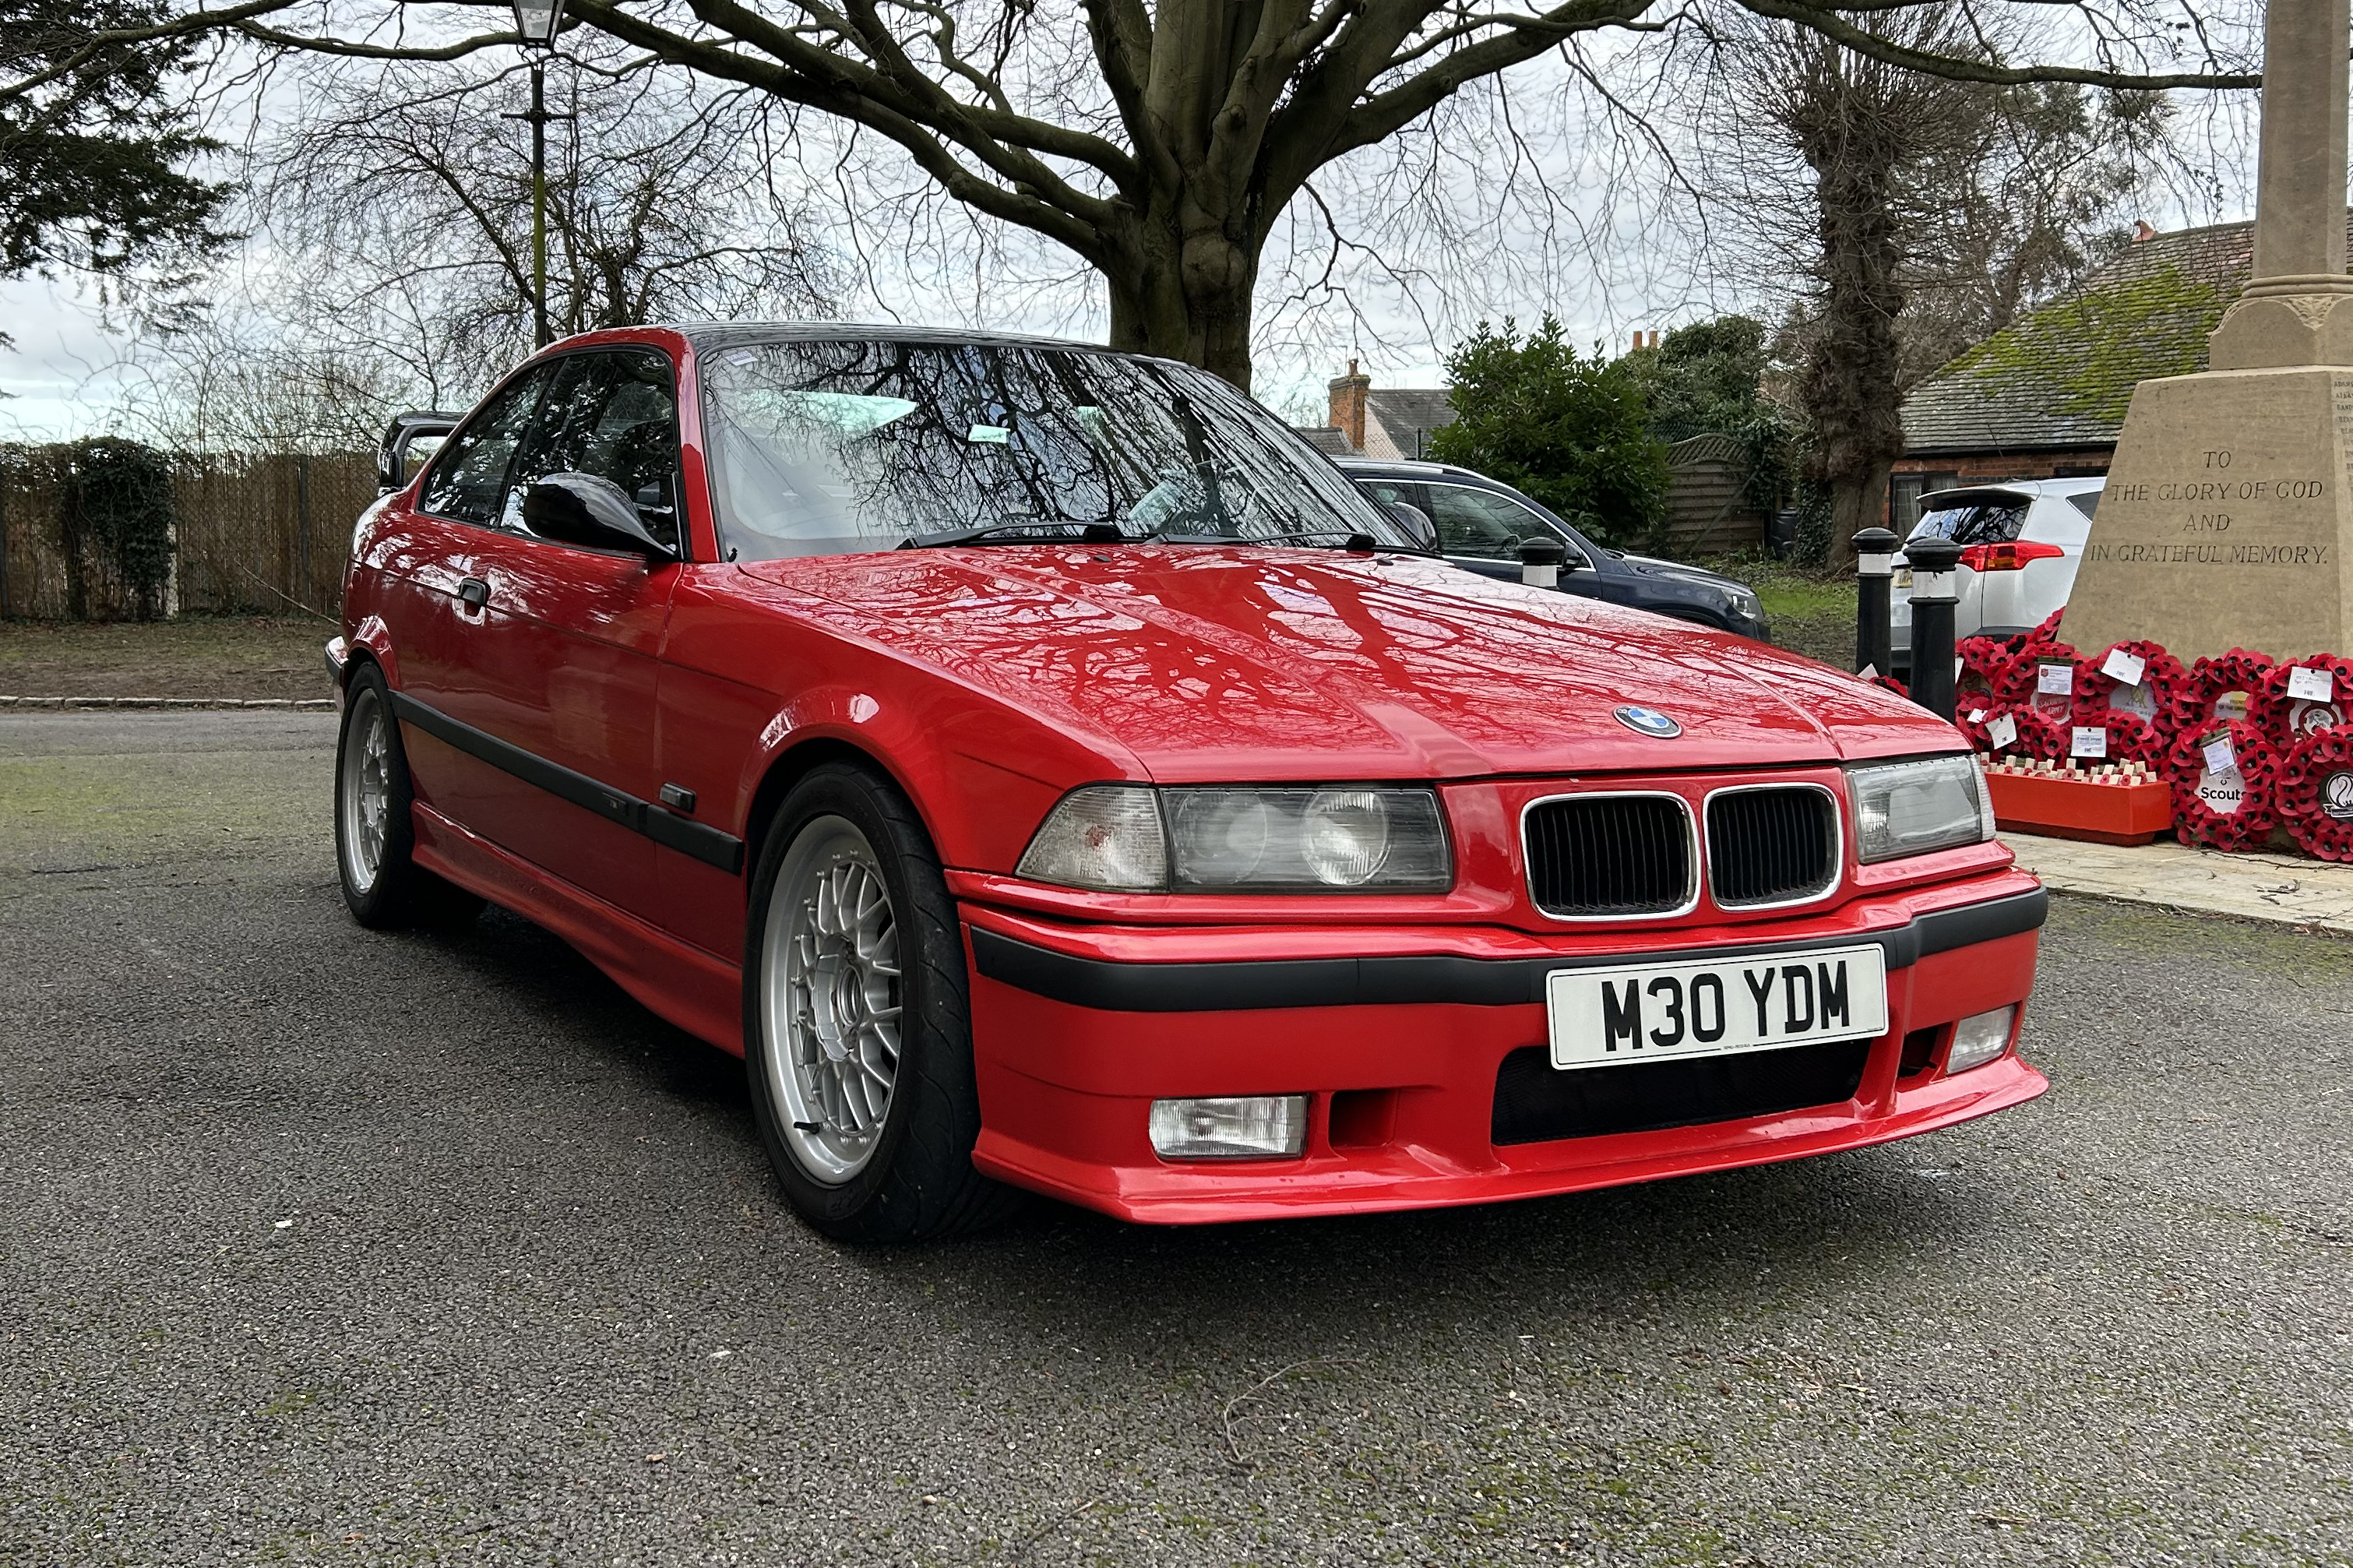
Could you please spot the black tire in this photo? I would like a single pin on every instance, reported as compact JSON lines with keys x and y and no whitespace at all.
{"x":916,"y":1179}
{"x":400,"y":893}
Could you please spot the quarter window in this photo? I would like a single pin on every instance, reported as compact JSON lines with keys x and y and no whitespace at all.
{"x":612,"y":415}
{"x":469,"y":478}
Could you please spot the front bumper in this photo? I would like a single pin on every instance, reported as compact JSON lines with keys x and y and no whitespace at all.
{"x":1397,"y":1036}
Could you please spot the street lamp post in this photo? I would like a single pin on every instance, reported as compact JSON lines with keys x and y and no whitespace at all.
{"x":536,"y":22}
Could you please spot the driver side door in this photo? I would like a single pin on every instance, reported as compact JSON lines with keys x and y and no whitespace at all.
{"x":562,"y":674}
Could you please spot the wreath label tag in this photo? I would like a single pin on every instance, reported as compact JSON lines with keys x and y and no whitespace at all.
{"x":2126,"y":666}
{"x":2221,"y":783}
{"x":2002,"y":732}
{"x":2088,"y":741}
{"x":2311,"y":685}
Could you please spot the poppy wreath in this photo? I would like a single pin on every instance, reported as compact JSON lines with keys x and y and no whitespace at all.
{"x":2161,"y":675}
{"x":2017,"y":681}
{"x":2213,"y":679}
{"x":2038,"y":734}
{"x":1892,"y":685}
{"x":2277,"y":711}
{"x":2131,"y":739}
{"x":2258,"y":762}
{"x":1984,"y":667}
{"x":2315,"y":793}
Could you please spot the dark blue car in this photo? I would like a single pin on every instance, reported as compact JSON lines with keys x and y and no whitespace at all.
{"x":1481,"y":523}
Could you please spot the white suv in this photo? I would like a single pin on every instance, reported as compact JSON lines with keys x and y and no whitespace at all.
{"x":2021,"y":544}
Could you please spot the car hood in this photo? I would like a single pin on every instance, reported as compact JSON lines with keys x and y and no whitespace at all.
{"x":1205,"y":662}
{"x":1652,"y":566}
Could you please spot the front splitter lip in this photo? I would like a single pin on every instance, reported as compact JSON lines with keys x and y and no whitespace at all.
{"x":1409,"y":1178}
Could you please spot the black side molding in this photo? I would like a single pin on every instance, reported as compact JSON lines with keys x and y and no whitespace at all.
{"x":707,"y":844}
{"x":1480,"y":982}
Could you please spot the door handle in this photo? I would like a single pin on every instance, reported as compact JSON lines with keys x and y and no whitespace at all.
{"x":475,"y":592}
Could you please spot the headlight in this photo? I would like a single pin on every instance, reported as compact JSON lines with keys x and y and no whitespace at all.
{"x":1747,"y":605}
{"x":1130,"y":838}
{"x":1912,"y":808}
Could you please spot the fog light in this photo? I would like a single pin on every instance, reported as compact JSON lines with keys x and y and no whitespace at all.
{"x":1260,"y":1126}
{"x":1979,"y":1038}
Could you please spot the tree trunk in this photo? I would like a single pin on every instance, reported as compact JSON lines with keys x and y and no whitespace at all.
{"x":1848,"y":382}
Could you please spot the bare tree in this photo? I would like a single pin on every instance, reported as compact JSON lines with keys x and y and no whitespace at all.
{"x":404,"y":209}
{"x":1162,"y":146}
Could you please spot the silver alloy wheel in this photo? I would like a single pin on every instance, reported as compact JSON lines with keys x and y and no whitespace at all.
{"x":830,"y":995}
{"x":367,"y":788}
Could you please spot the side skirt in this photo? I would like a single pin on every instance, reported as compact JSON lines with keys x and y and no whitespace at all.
{"x":683,"y":984}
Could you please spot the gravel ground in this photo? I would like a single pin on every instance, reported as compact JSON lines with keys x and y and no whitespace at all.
{"x":325,"y":1245}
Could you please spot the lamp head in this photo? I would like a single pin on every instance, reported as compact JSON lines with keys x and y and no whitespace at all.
{"x":537,"y":20}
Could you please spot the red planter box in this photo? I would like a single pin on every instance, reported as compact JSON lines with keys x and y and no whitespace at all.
{"x":2057,"y":806}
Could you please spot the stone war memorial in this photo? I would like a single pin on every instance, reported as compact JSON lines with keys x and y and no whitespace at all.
{"x":2226,"y":521}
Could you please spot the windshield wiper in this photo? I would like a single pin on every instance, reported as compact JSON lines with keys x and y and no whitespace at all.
{"x":1013,"y":532}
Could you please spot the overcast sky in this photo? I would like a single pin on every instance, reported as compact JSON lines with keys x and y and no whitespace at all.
{"x":1587,"y":245}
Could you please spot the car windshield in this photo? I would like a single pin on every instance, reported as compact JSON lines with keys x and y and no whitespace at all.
{"x":828,"y":447}
{"x":1974,"y":522}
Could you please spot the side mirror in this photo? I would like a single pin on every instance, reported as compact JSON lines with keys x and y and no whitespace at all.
{"x":405,"y":429}
{"x":585,"y":509}
{"x":1415,"y":522}
{"x":1541,"y":557}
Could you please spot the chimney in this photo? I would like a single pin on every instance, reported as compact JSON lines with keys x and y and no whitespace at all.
{"x":1348,"y":404}
{"x":2141,"y":230}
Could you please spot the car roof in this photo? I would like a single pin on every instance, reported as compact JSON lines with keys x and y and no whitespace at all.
{"x":2009,"y":491}
{"x":707,"y":335}
{"x":1403,"y":468}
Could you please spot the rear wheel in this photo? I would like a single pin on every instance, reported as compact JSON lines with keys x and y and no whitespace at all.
{"x":858,"y":1043}
{"x":374,"y":833}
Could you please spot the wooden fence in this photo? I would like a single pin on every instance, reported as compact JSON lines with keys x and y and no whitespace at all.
{"x":257,"y":535}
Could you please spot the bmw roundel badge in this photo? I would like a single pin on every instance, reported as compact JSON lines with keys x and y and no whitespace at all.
{"x":1650,"y":722}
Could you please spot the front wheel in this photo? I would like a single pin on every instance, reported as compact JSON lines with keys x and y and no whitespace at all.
{"x":374,"y":834}
{"x":858,"y":1043}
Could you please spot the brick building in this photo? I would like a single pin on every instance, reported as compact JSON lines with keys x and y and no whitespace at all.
{"x":2045,"y":398}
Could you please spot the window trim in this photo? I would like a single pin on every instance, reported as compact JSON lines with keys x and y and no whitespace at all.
{"x":548,"y":362}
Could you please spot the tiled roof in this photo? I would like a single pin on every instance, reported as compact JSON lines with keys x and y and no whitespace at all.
{"x":2064,"y":375}
{"x":1404,"y":410}
{"x":1329,"y":439}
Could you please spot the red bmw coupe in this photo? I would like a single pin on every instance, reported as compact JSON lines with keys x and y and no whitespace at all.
{"x":1048,"y":772}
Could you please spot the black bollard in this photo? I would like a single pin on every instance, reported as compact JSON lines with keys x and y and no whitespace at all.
{"x":1936,"y":591}
{"x":1874,"y":564}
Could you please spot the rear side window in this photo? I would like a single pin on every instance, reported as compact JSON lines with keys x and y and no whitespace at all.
{"x":468,"y":477}
{"x":1975,"y":525}
{"x":2086,"y":502}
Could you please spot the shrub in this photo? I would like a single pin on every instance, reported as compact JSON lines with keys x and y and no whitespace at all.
{"x":115,"y":506}
{"x":1571,"y":430}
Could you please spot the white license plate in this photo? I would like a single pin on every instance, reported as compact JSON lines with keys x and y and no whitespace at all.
{"x":1716,"y":1007}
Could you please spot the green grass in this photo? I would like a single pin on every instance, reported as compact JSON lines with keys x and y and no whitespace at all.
{"x":1811,"y":612}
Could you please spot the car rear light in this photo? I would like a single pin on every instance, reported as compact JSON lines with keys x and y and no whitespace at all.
{"x":1258,"y":1126}
{"x":2008,"y":557}
{"x":1979,"y":1038}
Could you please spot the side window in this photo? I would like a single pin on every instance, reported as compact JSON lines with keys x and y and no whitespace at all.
{"x":468,"y":477}
{"x":1479,"y":522}
{"x":614,"y":415}
{"x":1385,"y":491}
